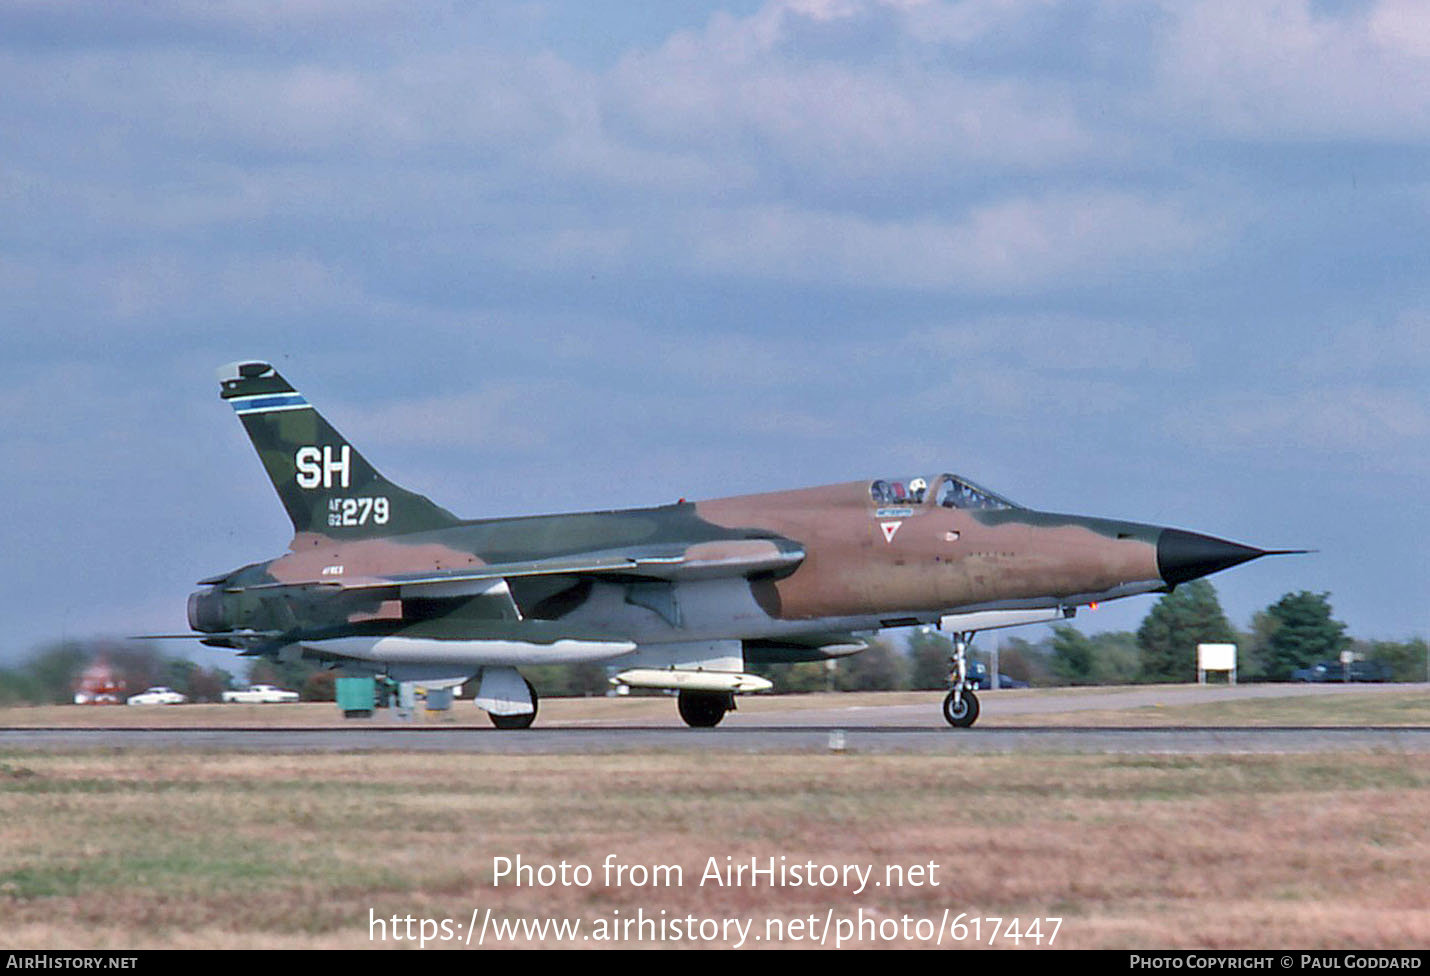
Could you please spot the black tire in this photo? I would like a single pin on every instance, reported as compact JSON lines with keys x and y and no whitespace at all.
{"x":522,"y":721}
{"x":967,"y":712}
{"x":704,"y":709}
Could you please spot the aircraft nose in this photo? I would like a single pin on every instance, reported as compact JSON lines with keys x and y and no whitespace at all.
{"x":1183,"y":556}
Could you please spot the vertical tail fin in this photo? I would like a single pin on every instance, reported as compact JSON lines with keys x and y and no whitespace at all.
{"x":325,"y":485}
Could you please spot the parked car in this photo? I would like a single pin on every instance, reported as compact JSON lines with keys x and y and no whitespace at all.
{"x":1336,"y":671}
{"x":978,"y":678}
{"x":158,"y":695}
{"x":261,"y":695}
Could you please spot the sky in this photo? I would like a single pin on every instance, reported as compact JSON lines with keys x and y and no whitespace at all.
{"x":1160,"y":261}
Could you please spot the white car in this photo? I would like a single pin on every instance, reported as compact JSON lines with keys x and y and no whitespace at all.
{"x":261,"y":695}
{"x":158,"y":695}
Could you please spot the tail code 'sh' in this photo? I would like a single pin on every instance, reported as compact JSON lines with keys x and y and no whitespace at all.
{"x":325,"y":484}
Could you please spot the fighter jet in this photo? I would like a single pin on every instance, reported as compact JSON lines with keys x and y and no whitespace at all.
{"x":684,"y":597}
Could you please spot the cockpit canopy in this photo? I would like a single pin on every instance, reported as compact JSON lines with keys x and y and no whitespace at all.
{"x":899,"y":491}
{"x":950,"y":491}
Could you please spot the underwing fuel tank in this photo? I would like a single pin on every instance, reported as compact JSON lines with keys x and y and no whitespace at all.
{"x":674,"y":679}
{"x":469,"y":653}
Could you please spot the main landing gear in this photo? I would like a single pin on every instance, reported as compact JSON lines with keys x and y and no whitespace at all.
{"x":960,"y":708}
{"x":522,"y":720}
{"x":704,"y":709}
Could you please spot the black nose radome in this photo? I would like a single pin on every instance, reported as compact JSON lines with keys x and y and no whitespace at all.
{"x":1183,"y":556}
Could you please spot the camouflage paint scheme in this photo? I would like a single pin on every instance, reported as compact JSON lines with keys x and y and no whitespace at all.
{"x":382,"y":579}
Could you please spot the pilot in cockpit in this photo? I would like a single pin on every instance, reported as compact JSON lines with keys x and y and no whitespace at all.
{"x":917,"y":489}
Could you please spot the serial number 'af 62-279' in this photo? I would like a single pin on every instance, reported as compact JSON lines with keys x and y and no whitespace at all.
{"x":380,"y":580}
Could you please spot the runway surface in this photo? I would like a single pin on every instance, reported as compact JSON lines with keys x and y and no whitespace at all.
{"x":765,"y":727}
{"x":738,"y":740}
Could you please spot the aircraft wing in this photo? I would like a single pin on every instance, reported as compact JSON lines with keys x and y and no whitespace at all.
{"x":705,"y":560}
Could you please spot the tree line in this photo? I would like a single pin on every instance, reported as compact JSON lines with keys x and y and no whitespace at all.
{"x":51,"y":675}
{"x":1297,"y":631}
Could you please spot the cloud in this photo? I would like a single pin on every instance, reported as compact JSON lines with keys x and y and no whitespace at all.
{"x":1060,"y":342}
{"x":1282,"y":70}
{"x":806,"y":143}
{"x":1025,"y":242}
{"x":1366,"y":350}
{"x":500,"y":414}
{"x":96,"y":23}
{"x":759,"y":88}
{"x":1346,"y":431}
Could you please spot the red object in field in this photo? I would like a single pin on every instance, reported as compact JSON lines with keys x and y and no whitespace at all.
{"x":99,"y":686}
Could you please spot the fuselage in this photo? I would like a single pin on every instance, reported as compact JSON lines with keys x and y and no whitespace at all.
{"x":868,"y":561}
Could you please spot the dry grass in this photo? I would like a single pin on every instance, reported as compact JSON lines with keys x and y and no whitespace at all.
{"x":139,"y":849}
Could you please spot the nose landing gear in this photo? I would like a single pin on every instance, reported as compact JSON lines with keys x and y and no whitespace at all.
{"x":960,"y":708}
